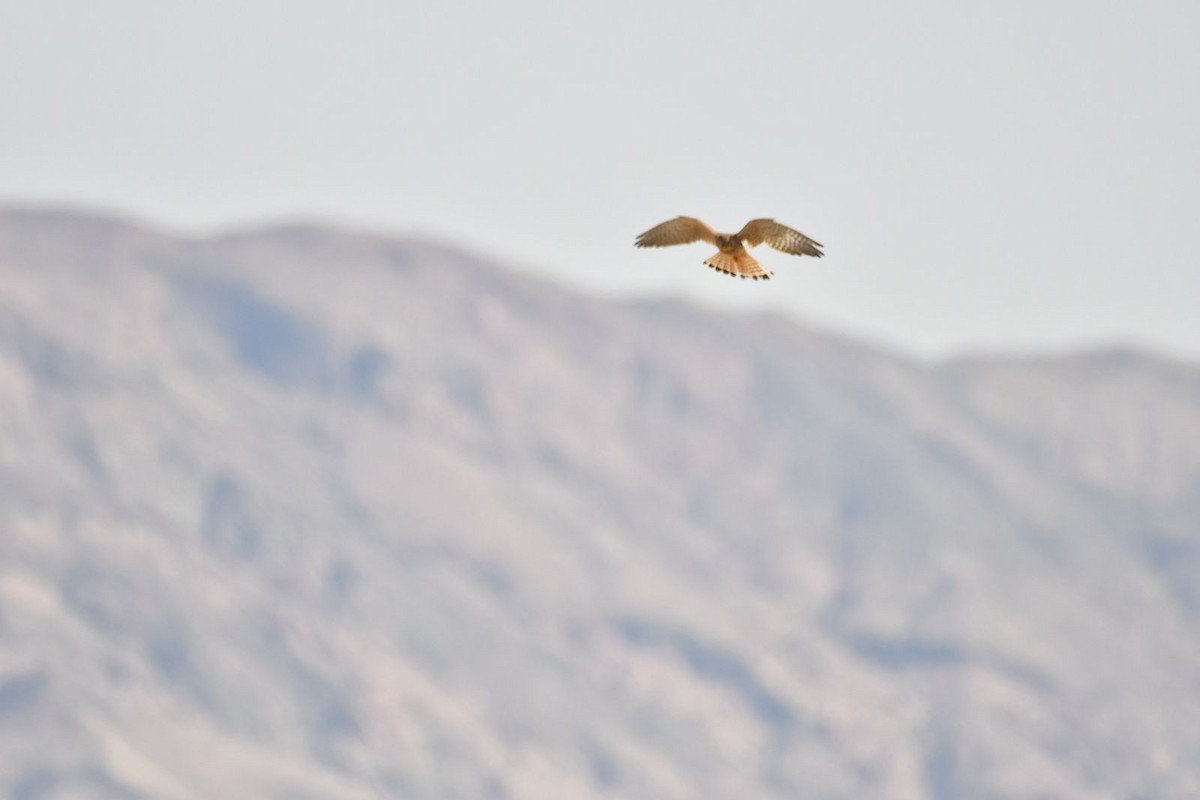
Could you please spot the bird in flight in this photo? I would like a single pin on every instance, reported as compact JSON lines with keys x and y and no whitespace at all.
{"x":731,"y":257}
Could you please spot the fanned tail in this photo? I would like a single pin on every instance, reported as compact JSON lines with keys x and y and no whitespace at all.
{"x":739,"y":264}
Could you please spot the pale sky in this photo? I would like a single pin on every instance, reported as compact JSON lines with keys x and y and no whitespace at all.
{"x":1017,"y":175}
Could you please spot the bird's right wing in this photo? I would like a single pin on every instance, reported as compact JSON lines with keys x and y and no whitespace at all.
{"x":781,"y":237}
{"x":680,"y":230}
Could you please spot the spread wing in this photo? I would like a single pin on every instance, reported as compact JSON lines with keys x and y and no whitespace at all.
{"x":781,"y":237}
{"x":680,"y":230}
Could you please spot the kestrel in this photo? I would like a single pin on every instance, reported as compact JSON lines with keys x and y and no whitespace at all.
{"x":732,"y":258}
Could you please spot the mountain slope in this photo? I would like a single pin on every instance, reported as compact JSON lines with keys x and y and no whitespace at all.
{"x":307,"y":512}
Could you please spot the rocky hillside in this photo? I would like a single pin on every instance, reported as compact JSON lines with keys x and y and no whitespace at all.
{"x":312,"y":513}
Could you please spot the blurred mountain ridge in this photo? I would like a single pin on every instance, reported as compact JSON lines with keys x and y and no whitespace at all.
{"x":304,"y":511}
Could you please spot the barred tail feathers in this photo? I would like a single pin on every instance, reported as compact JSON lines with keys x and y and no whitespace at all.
{"x":739,"y":264}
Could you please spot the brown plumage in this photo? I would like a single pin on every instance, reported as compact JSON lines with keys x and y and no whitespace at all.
{"x":732,"y":257}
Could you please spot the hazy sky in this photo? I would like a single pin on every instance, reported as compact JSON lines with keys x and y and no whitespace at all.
{"x":1011,"y":175}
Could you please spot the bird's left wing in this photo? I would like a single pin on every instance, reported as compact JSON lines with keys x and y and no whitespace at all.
{"x":680,"y":230}
{"x":781,"y":237}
